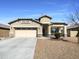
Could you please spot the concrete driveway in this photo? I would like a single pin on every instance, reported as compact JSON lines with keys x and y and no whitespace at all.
{"x":17,"y":48}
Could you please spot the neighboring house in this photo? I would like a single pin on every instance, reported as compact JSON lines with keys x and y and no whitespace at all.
{"x":36,"y":28}
{"x":73,"y":30}
{"x":4,"y":30}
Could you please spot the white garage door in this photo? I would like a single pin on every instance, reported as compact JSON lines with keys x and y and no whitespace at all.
{"x":25,"y":33}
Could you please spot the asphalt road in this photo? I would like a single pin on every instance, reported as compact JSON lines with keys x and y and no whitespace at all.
{"x":17,"y":48}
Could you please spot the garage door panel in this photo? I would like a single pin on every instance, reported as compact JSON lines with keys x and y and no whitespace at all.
{"x":25,"y":33}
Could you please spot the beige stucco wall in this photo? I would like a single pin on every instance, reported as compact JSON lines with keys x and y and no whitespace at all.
{"x":45,"y":20}
{"x":4,"y":33}
{"x":31,"y":24}
{"x":49,"y":30}
{"x":73,"y":33}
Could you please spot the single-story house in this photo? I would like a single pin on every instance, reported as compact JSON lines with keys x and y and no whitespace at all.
{"x":73,"y":30}
{"x":4,"y":30}
{"x":36,"y":28}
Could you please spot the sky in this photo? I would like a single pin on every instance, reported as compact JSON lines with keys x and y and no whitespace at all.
{"x":59,"y":10}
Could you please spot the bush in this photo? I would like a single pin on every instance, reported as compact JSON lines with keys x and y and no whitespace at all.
{"x":57,"y":35}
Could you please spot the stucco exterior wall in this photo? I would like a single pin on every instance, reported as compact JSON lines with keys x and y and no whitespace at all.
{"x":12,"y":31}
{"x":38,"y":25}
{"x":73,"y":33}
{"x":45,"y":20}
{"x":4,"y":33}
{"x":49,"y":30}
{"x":31,"y":24}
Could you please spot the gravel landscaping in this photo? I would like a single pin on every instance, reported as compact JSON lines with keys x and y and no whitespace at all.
{"x":56,"y":49}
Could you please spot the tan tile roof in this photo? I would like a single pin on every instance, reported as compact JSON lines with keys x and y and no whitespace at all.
{"x":24,"y":19}
{"x":73,"y":26}
{"x":46,"y":16}
{"x":59,"y":23}
{"x":4,"y":26}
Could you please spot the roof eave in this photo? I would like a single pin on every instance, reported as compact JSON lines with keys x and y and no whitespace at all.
{"x":23,"y":19}
{"x":60,"y":23}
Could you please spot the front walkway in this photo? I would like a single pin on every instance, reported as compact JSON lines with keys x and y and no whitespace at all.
{"x":56,"y":49}
{"x":43,"y":37}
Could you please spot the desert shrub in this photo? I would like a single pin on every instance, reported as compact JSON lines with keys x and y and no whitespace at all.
{"x":57,"y":35}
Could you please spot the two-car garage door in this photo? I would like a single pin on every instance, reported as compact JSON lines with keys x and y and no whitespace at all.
{"x":25,"y":32}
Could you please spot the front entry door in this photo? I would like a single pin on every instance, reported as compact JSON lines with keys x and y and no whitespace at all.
{"x":45,"y":30}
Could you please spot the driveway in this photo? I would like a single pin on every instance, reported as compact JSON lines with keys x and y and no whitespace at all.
{"x":17,"y":48}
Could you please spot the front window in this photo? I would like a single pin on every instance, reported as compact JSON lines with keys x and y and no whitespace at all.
{"x":53,"y":30}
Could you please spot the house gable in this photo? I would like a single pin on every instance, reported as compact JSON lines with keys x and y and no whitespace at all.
{"x":23,"y":19}
{"x":25,"y":23}
{"x":45,"y":19}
